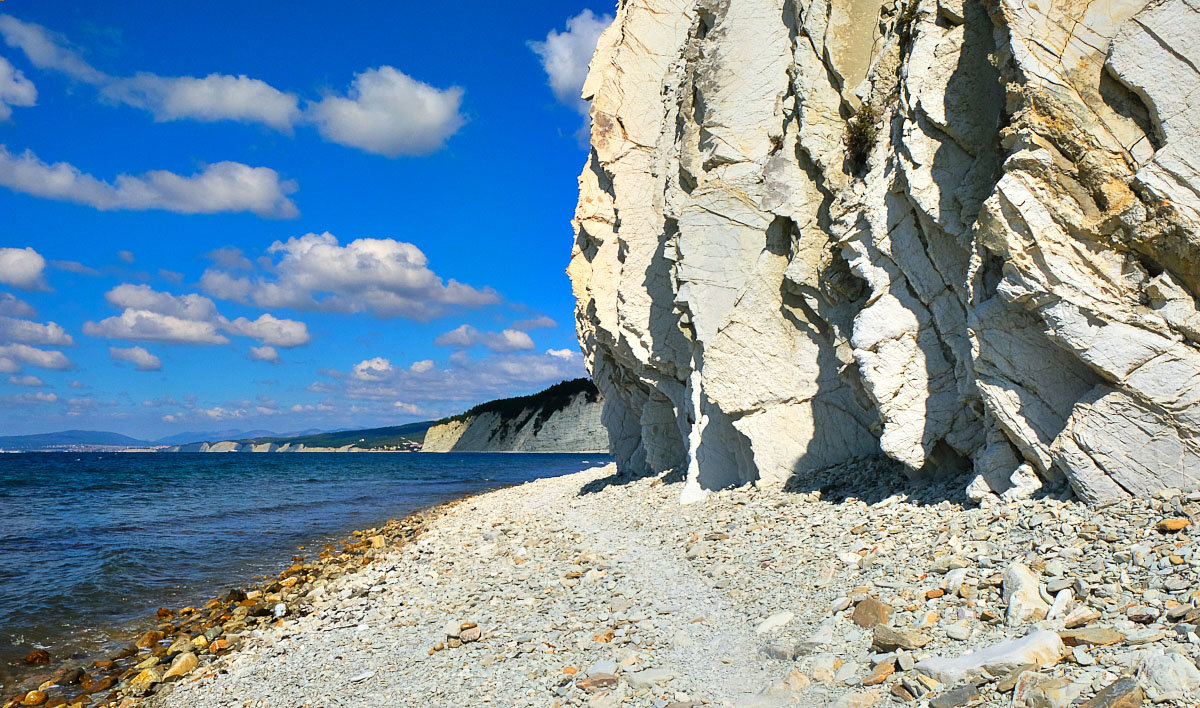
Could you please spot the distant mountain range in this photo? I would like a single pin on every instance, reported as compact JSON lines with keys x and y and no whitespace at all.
{"x":372,"y":438}
{"x":69,"y":438}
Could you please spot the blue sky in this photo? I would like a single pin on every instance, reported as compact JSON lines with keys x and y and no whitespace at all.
{"x":284,"y":216}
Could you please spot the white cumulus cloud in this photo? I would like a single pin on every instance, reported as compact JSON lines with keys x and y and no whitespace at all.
{"x":144,"y":360}
{"x":153,"y":316}
{"x":267,"y":354}
{"x":13,"y":306}
{"x":143,"y":297}
{"x":219,"y":187}
{"x":389,"y":113}
{"x":22,"y":267}
{"x":35,"y":397}
{"x":17,"y":330}
{"x":376,"y":369}
{"x":148,"y":326}
{"x":271,"y":330}
{"x":509,"y":340}
{"x":47,"y":50}
{"x":534,"y":323}
{"x":565,"y":56}
{"x":15,"y":89}
{"x":215,"y":97}
{"x":31,"y":381}
{"x":314,"y":272}
{"x":384,"y":111}
{"x":12,"y":356}
{"x":211,"y":98}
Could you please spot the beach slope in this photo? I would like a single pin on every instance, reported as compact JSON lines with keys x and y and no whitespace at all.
{"x":851,"y":590}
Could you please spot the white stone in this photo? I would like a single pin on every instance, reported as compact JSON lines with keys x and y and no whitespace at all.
{"x":1040,"y":648}
{"x":775,"y":621}
{"x":1022,"y":596}
{"x":1168,"y":675}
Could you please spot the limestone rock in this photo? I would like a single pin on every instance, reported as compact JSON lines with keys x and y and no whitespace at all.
{"x":1022,"y":596}
{"x":563,"y":418}
{"x":1004,"y":284}
{"x":1168,"y":675}
{"x":181,"y":666}
{"x":1040,"y":648}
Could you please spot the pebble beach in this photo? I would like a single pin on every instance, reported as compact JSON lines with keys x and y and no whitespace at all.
{"x":855,"y":588}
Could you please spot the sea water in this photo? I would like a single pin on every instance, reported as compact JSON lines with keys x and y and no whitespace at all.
{"x":93,"y":543}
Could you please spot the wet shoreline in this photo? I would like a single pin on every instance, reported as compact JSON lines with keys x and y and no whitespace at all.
{"x":66,"y":675}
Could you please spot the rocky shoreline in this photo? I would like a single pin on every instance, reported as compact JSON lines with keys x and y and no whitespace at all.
{"x":855,"y":588}
{"x":182,"y":641}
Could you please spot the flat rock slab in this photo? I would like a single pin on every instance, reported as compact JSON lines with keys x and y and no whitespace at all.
{"x":1040,"y":648}
{"x":891,"y":639}
{"x":1091,"y":637}
{"x":871,"y":612}
{"x":648,"y":678}
{"x":1123,"y":693}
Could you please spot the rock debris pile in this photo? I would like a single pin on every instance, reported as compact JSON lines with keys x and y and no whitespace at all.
{"x":855,"y":589}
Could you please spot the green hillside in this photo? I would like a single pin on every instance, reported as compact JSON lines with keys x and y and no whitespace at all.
{"x":547,"y":402}
{"x":369,"y":439}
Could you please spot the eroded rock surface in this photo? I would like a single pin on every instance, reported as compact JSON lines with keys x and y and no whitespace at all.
{"x":1004,"y":288}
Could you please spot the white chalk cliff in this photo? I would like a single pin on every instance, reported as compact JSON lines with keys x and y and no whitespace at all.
{"x":563,"y":418}
{"x":1004,"y":287}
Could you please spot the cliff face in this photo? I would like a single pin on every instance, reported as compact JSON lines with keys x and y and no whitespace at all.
{"x":565,"y":418}
{"x":960,"y":234}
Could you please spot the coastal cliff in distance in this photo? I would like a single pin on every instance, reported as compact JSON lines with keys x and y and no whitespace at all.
{"x":964,"y":235}
{"x":396,"y":438}
{"x":563,"y":418}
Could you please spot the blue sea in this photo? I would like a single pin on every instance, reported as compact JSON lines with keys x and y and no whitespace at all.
{"x":91,"y":544}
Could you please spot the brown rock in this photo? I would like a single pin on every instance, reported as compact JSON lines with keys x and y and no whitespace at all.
{"x":38,"y":656}
{"x":1007,"y":683}
{"x":182,"y":666}
{"x":470,"y":634}
{"x":935,"y":593}
{"x":55,"y":702}
{"x":871,"y":612}
{"x":104,"y":664}
{"x":144,"y":681}
{"x":149,"y":639}
{"x":165,"y":613}
{"x":597,"y":682}
{"x":880,"y":673}
{"x":1080,"y":616}
{"x":34,"y":698}
{"x":1122,"y":693}
{"x":102,"y":685}
{"x":1091,"y":637}
{"x":902,"y":693}
{"x":890,"y":639}
{"x":1172,"y":525}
